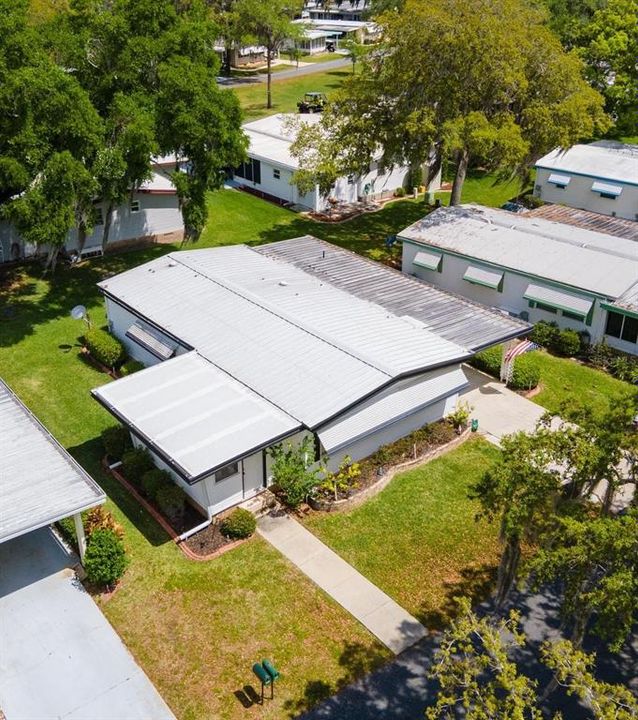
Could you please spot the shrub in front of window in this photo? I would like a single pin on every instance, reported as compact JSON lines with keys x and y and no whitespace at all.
{"x":624,"y":368}
{"x":291,"y":471}
{"x":489,"y":361}
{"x":153,"y":480}
{"x":172,"y":502}
{"x":105,"y":560}
{"x":105,"y":348}
{"x":130,"y":366}
{"x":544,"y":333}
{"x":136,"y":463}
{"x":566,"y":343}
{"x":116,"y":441}
{"x":239,"y":524}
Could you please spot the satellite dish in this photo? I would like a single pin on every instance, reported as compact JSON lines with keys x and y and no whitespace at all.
{"x":78,"y":312}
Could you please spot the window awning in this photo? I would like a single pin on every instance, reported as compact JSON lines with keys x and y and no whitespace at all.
{"x":482,"y":276}
{"x":404,"y":398}
{"x":150,"y":342}
{"x":559,"y":299}
{"x":428,"y":260}
{"x":557,"y":179}
{"x":606,"y":188}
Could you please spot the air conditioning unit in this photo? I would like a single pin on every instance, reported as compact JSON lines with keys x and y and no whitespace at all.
{"x":524,"y":315}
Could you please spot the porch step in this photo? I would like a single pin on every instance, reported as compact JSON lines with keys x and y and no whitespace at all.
{"x":261,"y":504}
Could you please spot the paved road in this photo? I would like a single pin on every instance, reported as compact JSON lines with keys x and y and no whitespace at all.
{"x":402,"y":689}
{"x":375,"y":610}
{"x":309,"y":69}
{"x":59,"y":656}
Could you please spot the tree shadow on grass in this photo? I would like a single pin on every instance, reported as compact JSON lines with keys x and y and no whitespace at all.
{"x":475,"y":582}
{"x":89,"y":455}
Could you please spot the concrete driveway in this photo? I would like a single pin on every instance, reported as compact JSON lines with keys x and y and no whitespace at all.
{"x":59,"y":657}
{"x":499,"y":411}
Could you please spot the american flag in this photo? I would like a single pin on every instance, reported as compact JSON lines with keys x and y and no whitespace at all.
{"x":522,"y":347}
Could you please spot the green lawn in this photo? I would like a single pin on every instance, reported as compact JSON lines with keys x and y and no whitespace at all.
{"x":321,"y":57}
{"x":286,"y":93}
{"x":485,"y":189}
{"x":567,"y":381}
{"x":418,"y":540}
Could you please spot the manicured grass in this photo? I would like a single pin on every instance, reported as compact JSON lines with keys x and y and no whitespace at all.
{"x":321,"y":57}
{"x":485,"y":189}
{"x":566,"y":381}
{"x":196,"y":628}
{"x":286,"y":93}
{"x":418,"y":540}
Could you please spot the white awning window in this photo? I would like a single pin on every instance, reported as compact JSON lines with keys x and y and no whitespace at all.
{"x":606,"y":189}
{"x":404,"y":398}
{"x":560,"y":180}
{"x":482,"y":276}
{"x":428,"y":260}
{"x":558,"y":299}
{"x":150,"y":342}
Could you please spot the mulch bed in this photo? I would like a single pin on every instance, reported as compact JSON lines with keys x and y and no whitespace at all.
{"x":209,"y":540}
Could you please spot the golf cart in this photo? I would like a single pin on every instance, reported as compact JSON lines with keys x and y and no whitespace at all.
{"x":313,"y":102}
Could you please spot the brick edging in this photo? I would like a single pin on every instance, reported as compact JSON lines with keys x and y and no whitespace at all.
{"x":164,"y":523}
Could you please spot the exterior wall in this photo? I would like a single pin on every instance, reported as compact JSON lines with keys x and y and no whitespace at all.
{"x":578,"y":194}
{"x":369,"y":444}
{"x":120,"y":320}
{"x":510,"y":299}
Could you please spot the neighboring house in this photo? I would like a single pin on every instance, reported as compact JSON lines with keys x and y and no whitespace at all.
{"x":531,"y":267}
{"x":601,"y":177}
{"x":270,"y":168}
{"x":248,"y":347}
{"x":317,"y":33}
{"x":150,"y":213}
{"x":40,"y":483}
{"x":241,"y":55}
{"x":354,"y":10}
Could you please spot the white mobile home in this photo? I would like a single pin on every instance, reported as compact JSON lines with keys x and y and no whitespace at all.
{"x":270,"y":168}
{"x":531,"y":268}
{"x":150,"y":213}
{"x":246,"y":347}
{"x":601,"y":177}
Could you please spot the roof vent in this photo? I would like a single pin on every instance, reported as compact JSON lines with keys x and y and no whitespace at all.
{"x":283,"y":283}
{"x":172,"y":263}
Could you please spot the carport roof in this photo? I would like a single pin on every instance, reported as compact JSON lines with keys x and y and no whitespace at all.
{"x":40,"y":482}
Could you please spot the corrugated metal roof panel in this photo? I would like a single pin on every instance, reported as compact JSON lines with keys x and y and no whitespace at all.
{"x":558,"y":299}
{"x":194,"y":414}
{"x":39,"y":481}
{"x":619,"y":227}
{"x":402,"y":399}
{"x":149,"y":342}
{"x":585,"y":260}
{"x":455,"y":318}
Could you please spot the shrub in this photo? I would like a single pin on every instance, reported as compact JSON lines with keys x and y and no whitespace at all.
{"x":130,"y":366}
{"x":105,"y":560}
{"x":341,"y":481}
{"x":544,"y":333}
{"x":153,"y":480}
{"x":136,"y":463}
{"x":460,"y":415}
{"x":624,"y":368}
{"x":291,"y":472}
{"x":526,"y":374}
{"x":239,"y":524}
{"x":116,"y":441}
{"x":489,"y":360}
{"x":98,"y":518}
{"x":104,"y":347}
{"x":531,"y":201}
{"x":601,"y":355}
{"x":399,"y":192}
{"x":171,"y":500}
{"x":566,"y":343}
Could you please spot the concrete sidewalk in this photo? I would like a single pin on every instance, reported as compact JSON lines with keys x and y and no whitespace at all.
{"x":394,"y":627}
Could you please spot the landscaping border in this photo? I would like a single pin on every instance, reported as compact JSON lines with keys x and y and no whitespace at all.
{"x":163,"y":522}
{"x":374,"y":489}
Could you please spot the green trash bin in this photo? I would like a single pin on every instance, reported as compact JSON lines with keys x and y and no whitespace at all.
{"x":474,"y":425}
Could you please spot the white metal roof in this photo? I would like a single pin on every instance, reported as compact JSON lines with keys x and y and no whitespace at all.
{"x":158,"y":183}
{"x":196,"y":416}
{"x":591,"y":261}
{"x":606,"y":160}
{"x":271,"y":137}
{"x":402,"y":399}
{"x":308,"y":347}
{"x":40,"y":482}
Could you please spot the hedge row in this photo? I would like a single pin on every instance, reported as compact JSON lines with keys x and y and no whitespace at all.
{"x":567,"y":343}
{"x":525,"y":376}
{"x":105,"y":348}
